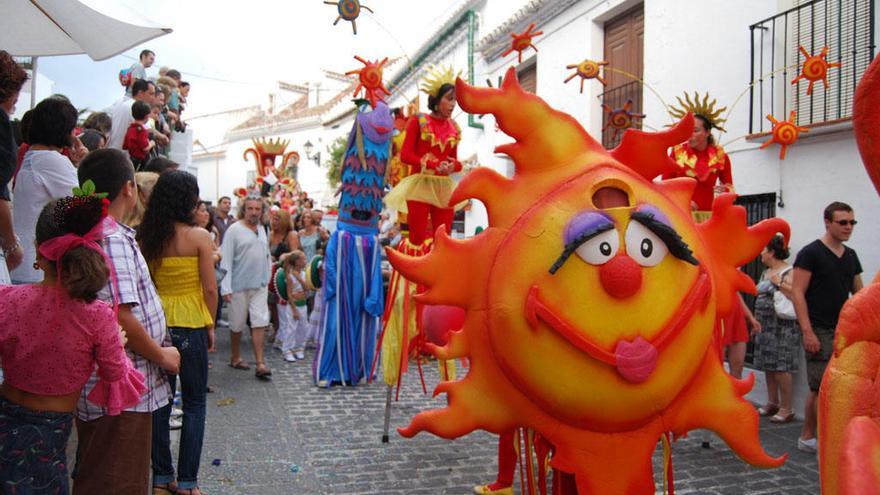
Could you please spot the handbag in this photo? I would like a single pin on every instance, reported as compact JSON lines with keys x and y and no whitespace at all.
{"x":781,"y":304}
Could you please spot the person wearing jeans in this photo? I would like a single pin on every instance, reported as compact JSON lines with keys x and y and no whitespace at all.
{"x":181,"y":259}
{"x":193,"y":346}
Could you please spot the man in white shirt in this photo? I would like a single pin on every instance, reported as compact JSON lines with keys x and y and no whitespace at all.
{"x":139,"y":70}
{"x":120,"y":113}
{"x":245,"y":257}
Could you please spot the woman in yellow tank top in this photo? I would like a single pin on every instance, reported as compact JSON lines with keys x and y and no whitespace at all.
{"x":181,"y":259}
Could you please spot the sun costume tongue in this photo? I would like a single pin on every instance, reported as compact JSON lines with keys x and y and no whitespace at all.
{"x":611,"y":348}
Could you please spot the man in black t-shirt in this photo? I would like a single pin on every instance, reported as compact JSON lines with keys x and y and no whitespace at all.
{"x":825,"y":272}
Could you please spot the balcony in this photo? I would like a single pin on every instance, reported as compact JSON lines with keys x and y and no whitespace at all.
{"x":615,"y":99}
{"x":778,"y":47}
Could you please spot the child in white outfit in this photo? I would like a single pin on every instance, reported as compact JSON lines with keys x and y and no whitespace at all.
{"x":293,"y":316}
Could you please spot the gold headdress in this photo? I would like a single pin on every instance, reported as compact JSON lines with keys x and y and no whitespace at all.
{"x":436,"y":77}
{"x":704,"y":108}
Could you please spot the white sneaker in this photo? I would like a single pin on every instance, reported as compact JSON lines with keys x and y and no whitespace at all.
{"x":176,"y":412}
{"x":807,"y":445}
{"x":288,"y":356}
{"x":300,"y":354}
{"x":175,"y":424}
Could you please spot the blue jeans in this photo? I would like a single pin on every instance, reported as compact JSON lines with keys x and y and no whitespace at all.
{"x":193,"y":347}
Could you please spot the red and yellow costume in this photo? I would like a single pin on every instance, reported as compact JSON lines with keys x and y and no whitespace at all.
{"x":707,"y":166}
{"x":425,"y":192}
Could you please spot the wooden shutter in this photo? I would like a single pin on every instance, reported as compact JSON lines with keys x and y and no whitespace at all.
{"x":624,"y":51}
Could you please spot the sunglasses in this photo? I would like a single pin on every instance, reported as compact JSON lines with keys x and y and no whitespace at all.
{"x":844,"y":223}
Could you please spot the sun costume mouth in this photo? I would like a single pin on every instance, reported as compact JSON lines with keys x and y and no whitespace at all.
{"x":635,"y":360}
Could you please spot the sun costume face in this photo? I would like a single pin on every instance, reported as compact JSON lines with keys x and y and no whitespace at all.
{"x":590,"y":325}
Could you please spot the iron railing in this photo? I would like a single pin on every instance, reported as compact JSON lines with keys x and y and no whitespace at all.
{"x":758,"y":207}
{"x":614,"y":99}
{"x":845,"y":27}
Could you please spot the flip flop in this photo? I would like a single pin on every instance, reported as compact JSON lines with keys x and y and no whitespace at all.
{"x":263,"y":374}
{"x":240,"y":365}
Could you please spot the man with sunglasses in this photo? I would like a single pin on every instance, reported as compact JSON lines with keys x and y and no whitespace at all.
{"x":825,"y":272}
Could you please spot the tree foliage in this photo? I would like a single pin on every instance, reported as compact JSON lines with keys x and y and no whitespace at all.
{"x":336,"y":150}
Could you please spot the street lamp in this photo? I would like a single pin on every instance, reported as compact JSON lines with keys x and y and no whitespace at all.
{"x":308,"y":148}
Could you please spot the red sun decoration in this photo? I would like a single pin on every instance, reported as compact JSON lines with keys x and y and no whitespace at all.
{"x":370,"y":79}
{"x":620,"y":119}
{"x":815,"y":68}
{"x":522,"y":41}
{"x":349,"y":10}
{"x":588,"y":69}
{"x":785,"y":133}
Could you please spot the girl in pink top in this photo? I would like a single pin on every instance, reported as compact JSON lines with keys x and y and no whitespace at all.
{"x":51,"y":336}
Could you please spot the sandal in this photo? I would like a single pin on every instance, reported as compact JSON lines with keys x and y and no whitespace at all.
{"x":190,"y":491}
{"x":768,"y":409}
{"x":779,"y":417}
{"x":166,"y":489}
{"x":241,"y":364}
{"x":262,"y":372}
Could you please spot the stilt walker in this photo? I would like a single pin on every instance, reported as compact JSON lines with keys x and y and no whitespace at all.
{"x":429,"y":149}
{"x":352,"y":292}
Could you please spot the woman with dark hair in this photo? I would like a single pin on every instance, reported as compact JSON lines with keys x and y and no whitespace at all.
{"x":45,"y":175}
{"x":12,"y":78}
{"x":51,"y":336}
{"x":778,"y":343}
{"x":430,"y":149}
{"x":181,"y":259}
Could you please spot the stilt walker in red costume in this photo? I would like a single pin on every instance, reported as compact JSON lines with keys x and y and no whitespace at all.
{"x":430,"y":152}
{"x":707,"y":162}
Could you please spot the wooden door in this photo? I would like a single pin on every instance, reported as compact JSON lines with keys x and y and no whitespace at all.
{"x":624,"y":49}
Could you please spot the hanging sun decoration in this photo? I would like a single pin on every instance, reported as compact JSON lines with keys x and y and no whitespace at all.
{"x":785,"y":133}
{"x":522,"y":41}
{"x":349,"y":10}
{"x":370,"y":79}
{"x":815,"y":68}
{"x":588,"y":69}
{"x":620,"y":119}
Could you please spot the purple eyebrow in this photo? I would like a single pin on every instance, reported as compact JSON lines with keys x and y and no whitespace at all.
{"x":584,"y":222}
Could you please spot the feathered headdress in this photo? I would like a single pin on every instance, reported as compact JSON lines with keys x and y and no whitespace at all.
{"x":436,"y":77}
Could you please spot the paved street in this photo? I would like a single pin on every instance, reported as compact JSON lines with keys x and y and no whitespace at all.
{"x":289,"y":437}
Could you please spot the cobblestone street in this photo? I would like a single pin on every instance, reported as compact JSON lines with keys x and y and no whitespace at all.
{"x":289,"y":437}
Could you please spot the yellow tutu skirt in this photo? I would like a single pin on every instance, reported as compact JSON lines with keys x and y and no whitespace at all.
{"x":701,"y":216}
{"x":435,"y":190}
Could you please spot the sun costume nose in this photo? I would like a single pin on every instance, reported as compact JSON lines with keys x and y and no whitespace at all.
{"x":621,"y":277}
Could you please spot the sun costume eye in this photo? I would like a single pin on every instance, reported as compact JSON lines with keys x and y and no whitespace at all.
{"x":644,"y":246}
{"x":600,"y":248}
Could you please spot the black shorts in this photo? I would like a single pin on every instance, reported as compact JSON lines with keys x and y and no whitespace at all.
{"x":817,"y":362}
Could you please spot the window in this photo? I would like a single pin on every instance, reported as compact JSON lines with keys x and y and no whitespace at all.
{"x":844,"y":27}
{"x":527,"y":73}
{"x":624,"y":45}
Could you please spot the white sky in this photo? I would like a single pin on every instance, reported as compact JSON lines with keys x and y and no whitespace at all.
{"x":233,"y":52}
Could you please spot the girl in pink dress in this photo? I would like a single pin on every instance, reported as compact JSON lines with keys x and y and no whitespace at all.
{"x":51,"y":336}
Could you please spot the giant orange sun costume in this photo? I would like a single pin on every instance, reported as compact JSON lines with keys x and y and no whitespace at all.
{"x":591,"y":326}
{"x":849,"y":400}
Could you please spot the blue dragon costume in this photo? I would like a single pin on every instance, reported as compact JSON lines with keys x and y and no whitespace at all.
{"x":353,"y":293}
